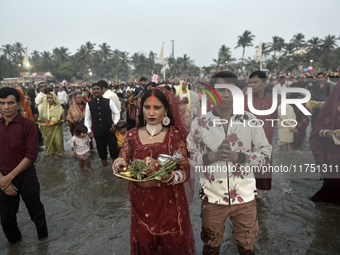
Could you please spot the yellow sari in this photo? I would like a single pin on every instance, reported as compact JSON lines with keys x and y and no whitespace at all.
{"x":53,"y":135}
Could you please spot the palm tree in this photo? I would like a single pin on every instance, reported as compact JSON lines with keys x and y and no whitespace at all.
{"x":225,"y":54}
{"x":46,"y":61}
{"x":186,"y":62}
{"x":152,"y":61}
{"x":289,"y":48}
{"x":7,"y":51}
{"x":329,"y":43}
{"x":251,"y":65}
{"x":82,"y":56}
{"x":90,"y":47}
{"x":105,"y":51}
{"x":35,"y":55}
{"x":265,"y":49}
{"x":60,"y":55}
{"x":35,"y":59}
{"x":218,"y":64}
{"x":277,"y":44}
{"x":18,"y":52}
{"x":298,"y":41}
{"x":244,"y":41}
{"x":314,"y":43}
{"x":116,"y":53}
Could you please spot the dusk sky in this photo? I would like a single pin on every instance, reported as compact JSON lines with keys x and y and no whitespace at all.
{"x":199,"y":27}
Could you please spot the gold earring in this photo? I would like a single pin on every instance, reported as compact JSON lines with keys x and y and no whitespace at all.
{"x":166,"y":120}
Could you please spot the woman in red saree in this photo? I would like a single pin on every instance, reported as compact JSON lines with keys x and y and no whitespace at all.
{"x":25,"y":104}
{"x":88,"y":96}
{"x":76,"y":113}
{"x":160,"y":221}
{"x":326,"y":152}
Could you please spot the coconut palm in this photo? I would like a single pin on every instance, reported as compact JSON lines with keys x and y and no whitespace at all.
{"x":46,"y":61}
{"x":314,"y":43}
{"x":18,"y":52}
{"x":105,"y":51}
{"x":90,"y":47}
{"x":152,"y":61}
{"x":224,"y":55}
{"x":186,"y":62}
{"x":329,"y":43}
{"x":7,"y":51}
{"x":218,"y":64}
{"x":277,"y":44}
{"x":298,"y":41}
{"x":60,"y":55}
{"x":251,"y":64}
{"x":266,"y":49}
{"x":288,"y":49}
{"x":245,"y":40}
{"x":82,"y":56}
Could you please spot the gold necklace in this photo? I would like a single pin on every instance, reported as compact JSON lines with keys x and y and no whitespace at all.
{"x":152,"y":136}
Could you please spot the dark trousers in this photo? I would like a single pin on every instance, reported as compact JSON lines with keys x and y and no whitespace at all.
{"x":28,"y":187}
{"x":102,"y":143}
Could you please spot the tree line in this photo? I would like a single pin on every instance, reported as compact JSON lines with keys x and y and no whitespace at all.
{"x":91,"y":61}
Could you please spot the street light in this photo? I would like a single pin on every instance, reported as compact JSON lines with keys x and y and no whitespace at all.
{"x":225,"y":64}
{"x":311,"y":62}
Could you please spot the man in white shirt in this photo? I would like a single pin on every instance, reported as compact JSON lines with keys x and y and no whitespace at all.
{"x":42,"y":93}
{"x":62,"y":96}
{"x":103,"y":115}
{"x":109,"y":94}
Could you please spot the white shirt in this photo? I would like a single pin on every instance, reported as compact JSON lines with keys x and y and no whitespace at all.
{"x":62,"y":96}
{"x":38,"y":100}
{"x":217,"y":184}
{"x":111,"y":95}
{"x":88,"y":118}
{"x":80,"y":145}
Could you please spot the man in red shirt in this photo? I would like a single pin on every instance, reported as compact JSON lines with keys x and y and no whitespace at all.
{"x":18,"y":149}
{"x":262,"y":101}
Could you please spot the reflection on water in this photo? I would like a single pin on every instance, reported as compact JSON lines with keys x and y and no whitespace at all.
{"x":89,"y":213}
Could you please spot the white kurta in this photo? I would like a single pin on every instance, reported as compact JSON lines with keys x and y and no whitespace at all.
{"x":286,"y":134}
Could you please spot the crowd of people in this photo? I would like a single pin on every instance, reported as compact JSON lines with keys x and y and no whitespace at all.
{"x":135,"y":121}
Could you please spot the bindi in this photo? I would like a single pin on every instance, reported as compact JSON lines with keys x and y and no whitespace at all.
{"x":152,"y":98}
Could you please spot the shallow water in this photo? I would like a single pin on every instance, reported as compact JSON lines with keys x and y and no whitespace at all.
{"x":89,"y":213}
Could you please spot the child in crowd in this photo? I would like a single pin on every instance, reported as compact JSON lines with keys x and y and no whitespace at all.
{"x":80,"y":145}
{"x":286,"y":126}
{"x":120,"y":133}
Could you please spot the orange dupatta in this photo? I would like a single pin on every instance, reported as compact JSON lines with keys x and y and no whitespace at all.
{"x":25,"y":104}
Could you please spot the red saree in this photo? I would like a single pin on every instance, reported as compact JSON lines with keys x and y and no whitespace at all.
{"x":325,"y":152}
{"x":160,"y":222}
{"x":87,"y":99}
